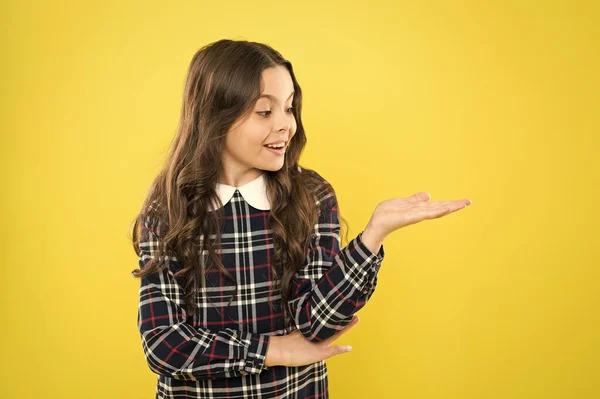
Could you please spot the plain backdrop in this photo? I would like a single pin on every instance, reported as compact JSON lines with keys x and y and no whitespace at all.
{"x":496,"y":101}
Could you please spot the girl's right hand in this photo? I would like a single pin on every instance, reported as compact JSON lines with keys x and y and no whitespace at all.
{"x":295,"y":349}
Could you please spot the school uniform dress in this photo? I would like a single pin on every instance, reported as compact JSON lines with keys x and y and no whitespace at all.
{"x":220,"y":351}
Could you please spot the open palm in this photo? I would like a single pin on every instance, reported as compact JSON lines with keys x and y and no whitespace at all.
{"x":395,"y":213}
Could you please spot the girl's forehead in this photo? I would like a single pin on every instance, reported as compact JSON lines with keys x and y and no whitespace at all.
{"x":276,"y":79}
{"x":275,"y":97}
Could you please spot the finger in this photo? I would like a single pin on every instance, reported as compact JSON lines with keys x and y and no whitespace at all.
{"x":419,"y":197}
{"x":343,"y":331}
{"x":442,"y":209}
{"x":452,"y":205}
{"x":438,"y":204}
{"x":336,"y":350}
{"x":458,"y":203}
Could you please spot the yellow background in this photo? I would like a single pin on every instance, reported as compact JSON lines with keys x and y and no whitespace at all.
{"x":493,"y":101}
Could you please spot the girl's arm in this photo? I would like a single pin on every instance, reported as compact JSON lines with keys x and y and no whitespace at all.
{"x":334,"y":283}
{"x":179,"y":350}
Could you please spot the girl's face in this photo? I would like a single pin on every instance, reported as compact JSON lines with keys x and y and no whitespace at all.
{"x":271,"y":121}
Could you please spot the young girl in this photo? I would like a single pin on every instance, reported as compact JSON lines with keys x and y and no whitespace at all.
{"x":244,"y":286}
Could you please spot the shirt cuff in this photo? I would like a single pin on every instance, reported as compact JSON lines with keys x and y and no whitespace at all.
{"x":257,"y":353}
{"x":365,"y":256}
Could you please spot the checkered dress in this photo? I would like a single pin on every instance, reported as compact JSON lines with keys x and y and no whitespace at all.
{"x":220,"y":351}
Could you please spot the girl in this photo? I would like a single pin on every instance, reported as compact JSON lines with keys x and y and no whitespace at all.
{"x":244,"y":286}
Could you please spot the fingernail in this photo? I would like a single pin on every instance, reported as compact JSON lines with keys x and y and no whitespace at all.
{"x":349,"y":348}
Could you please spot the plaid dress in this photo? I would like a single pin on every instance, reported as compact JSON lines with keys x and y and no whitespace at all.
{"x":220,"y":352}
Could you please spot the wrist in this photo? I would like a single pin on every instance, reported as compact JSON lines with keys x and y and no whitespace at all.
{"x":274,"y":355}
{"x":372,"y":238}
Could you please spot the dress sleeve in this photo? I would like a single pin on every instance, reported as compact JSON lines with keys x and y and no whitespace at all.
{"x":177,"y":349}
{"x":334,"y":283}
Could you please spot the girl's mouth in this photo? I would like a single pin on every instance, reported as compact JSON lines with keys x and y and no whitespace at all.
{"x":277,"y":151}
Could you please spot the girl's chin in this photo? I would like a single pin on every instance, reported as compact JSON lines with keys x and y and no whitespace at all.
{"x":271,"y":166}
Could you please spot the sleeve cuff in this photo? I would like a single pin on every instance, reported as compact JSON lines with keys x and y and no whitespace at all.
{"x":256,"y":355}
{"x":365,"y":256}
{"x":362,"y":265}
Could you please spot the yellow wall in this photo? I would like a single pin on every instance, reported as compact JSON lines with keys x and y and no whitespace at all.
{"x":493,"y":101}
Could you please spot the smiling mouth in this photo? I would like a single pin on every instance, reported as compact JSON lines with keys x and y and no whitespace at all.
{"x":284,"y":146}
{"x":277,"y":151}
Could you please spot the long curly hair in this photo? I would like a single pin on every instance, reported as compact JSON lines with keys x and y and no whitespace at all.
{"x":222,"y":85}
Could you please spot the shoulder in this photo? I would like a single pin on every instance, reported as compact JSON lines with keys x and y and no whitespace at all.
{"x":152,"y":216}
{"x":152,"y":231}
{"x":323,"y":191}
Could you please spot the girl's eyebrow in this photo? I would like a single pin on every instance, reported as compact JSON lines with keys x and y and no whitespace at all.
{"x":272,"y":97}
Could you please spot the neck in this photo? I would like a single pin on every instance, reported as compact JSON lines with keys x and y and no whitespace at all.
{"x":239,"y":178}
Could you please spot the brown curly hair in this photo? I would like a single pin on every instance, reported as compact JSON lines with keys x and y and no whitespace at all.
{"x":222,"y":85}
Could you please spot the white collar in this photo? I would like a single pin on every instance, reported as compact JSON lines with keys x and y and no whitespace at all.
{"x":254,"y":193}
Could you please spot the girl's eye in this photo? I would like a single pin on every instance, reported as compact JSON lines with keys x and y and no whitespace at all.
{"x":290,"y":111}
